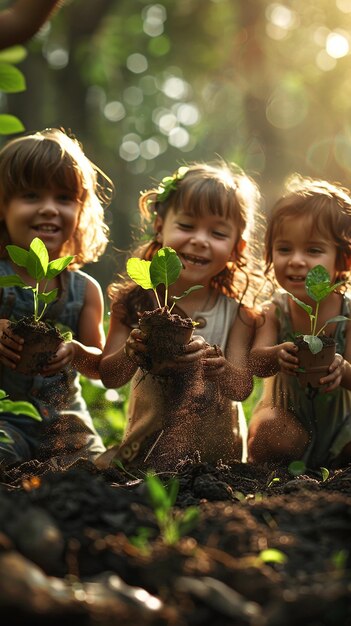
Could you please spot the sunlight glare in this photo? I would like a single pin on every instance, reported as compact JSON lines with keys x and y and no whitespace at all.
{"x":337,"y":44}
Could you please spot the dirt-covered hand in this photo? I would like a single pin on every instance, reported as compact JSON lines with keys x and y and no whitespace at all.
{"x":214,"y":362}
{"x":135,"y":347}
{"x":11,"y":345}
{"x":336,"y":370}
{"x":63,"y":356}
{"x":287,"y":356}
{"x":192,"y":352}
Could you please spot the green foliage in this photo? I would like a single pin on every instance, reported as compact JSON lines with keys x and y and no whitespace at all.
{"x":18,"y":407}
{"x":169,"y":184}
{"x":164,"y":269}
{"x":271,"y":555}
{"x":37,"y":265}
{"x":108,"y":409}
{"x":172,"y":525}
{"x":11,"y":81}
{"x":296,"y":468}
{"x":318,"y":287}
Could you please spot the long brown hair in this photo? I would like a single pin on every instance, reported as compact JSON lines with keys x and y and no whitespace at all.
{"x":327,"y":205}
{"x":201,"y":188}
{"x":52,"y":159}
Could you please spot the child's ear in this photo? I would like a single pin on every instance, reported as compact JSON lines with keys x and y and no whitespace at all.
{"x":158,"y":228}
{"x":238,"y":249}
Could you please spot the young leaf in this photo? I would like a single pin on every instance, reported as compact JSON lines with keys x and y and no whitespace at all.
{"x":165,"y":267}
{"x":57,"y":266}
{"x":303,"y":305}
{"x":187,"y":291}
{"x":12,"y":280}
{"x":18,"y":255}
{"x":48,"y":296}
{"x":315,"y":344}
{"x":38,"y":260}
{"x":19,"y":407}
{"x":139,"y":271}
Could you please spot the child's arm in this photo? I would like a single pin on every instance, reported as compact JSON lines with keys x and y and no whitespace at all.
{"x":232,"y":370}
{"x":120,"y":358}
{"x":21,"y":21}
{"x":340,"y":370}
{"x":84,"y":353}
{"x":266,"y":356}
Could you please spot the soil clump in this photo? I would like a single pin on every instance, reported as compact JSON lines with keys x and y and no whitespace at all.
{"x":72,"y":547}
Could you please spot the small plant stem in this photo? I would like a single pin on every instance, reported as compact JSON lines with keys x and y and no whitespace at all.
{"x":166,"y":296}
{"x":157,"y":298}
{"x":35,"y":296}
{"x":315,"y":319}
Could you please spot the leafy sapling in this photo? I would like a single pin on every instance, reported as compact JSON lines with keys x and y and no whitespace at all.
{"x":162,"y":497}
{"x":16,"y":407}
{"x":318,"y":287}
{"x":37,"y":265}
{"x":164,"y":269}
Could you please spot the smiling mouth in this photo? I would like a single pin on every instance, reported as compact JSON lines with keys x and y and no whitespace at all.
{"x":46,"y":228}
{"x":297,"y":279}
{"x":194,"y":260}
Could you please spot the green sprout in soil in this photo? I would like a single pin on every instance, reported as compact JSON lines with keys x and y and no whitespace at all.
{"x":37,"y":265}
{"x":318,"y":287}
{"x":164,"y":269}
{"x":173,"y":525}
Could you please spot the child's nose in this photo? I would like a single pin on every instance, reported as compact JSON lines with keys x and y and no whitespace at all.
{"x":48,"y":205}
{"x":297,"y":258}
{"x":199,"y":237}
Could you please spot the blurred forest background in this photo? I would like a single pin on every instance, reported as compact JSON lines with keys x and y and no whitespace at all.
{"x":147,"y":86}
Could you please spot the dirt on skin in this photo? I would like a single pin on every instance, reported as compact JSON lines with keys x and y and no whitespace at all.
{"x":68,"y":553}
{"x":41,"y":341}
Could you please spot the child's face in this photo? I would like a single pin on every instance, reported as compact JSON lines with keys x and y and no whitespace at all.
{"x":296,"y":249}
{"x":204,"y":244}
{"x":51,"y":215}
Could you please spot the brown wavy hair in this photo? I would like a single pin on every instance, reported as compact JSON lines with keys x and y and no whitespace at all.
{"x":52,"y":159}
{"x":328,"y":205}
{"x":218,"y":189}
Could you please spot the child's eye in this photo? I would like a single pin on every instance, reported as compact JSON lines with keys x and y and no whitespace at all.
{"x":29,"y":195}
{"x":217,"y":233}
{"x":315,"y":251}
{"x":283,"y":249}
{"x":65,"y":197}
{"x":185,"y":226}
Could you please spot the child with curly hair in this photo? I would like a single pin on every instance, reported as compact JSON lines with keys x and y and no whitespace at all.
{"x":309,"y":225}
{"x":204,"y":213}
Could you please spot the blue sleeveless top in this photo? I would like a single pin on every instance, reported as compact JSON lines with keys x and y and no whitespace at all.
{"x":55,"y":393}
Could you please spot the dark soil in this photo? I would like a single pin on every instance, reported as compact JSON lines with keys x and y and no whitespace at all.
{"x":41,"y":341}
{"x":66,"y":552}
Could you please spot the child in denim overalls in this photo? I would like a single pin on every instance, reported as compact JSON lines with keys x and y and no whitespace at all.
{"x":49,"y":189}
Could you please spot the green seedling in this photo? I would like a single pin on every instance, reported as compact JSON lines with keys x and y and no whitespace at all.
{"x":17,"y":407}
{"x":318,"y":287}
{"x":37,"y":265}
{"x":164,"y":269}
{"x":173,"y":525}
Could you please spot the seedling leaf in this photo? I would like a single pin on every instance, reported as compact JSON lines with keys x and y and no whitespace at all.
{"x":315,"y":344}
{"x":38,"y":260}
{"x":57,"y":266}
{"x":18,"y":255}
{"x":12,"y":280}
{"x":139,"y":271}
{"x":48,"y":297}
{"x":165,"y":267}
